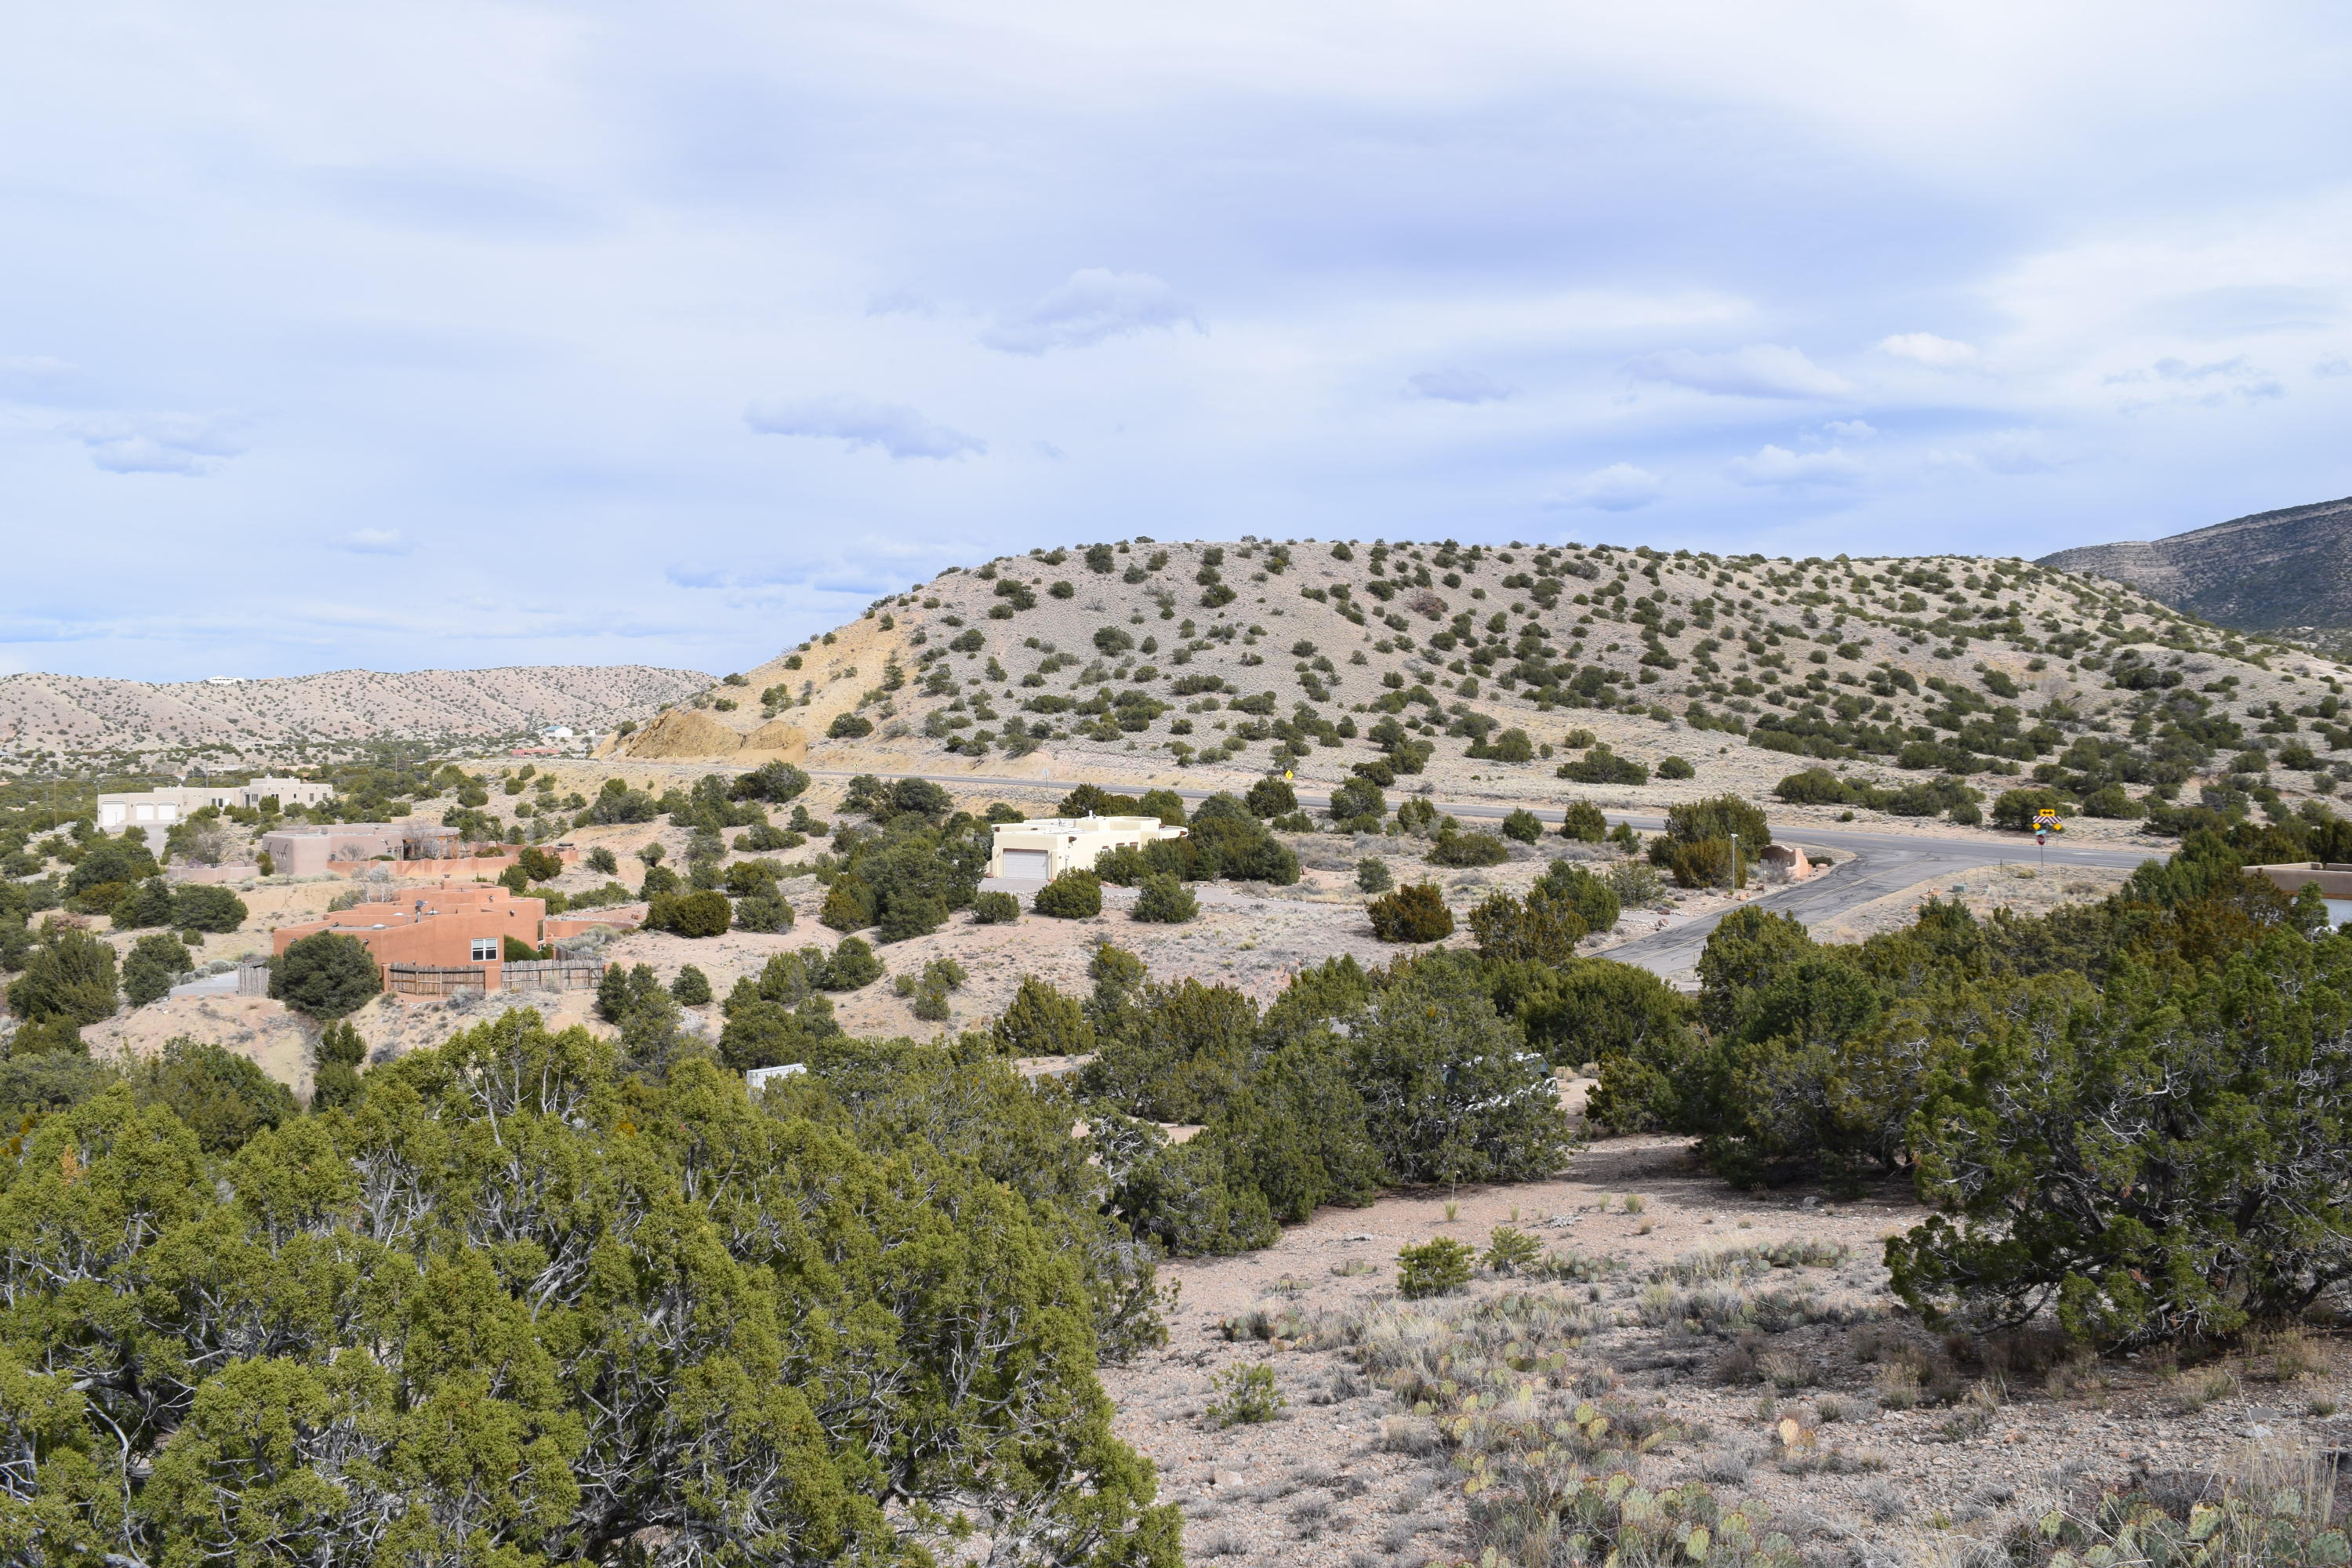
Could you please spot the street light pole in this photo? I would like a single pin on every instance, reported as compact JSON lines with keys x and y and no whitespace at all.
{"x":1735,"y":859}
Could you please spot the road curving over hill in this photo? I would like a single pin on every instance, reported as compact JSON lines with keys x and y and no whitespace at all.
{"x":1871,"y":863}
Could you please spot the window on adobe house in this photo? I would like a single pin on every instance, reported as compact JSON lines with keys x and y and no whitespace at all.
{"x":485,"y":947}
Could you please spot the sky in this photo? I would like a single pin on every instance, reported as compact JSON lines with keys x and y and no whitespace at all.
{"x":465,"y":334}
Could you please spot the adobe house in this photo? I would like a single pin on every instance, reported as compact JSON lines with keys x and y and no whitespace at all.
{"x":2334,"y":882}
{"x":174,"y":804}
{"x":1042,"y":850}
{"x":1784,"y":862}
{"x":308,"y":851}
{"x":451,"y":926}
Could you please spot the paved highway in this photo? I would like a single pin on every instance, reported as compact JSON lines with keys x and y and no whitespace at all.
{"x":1869,"y":864}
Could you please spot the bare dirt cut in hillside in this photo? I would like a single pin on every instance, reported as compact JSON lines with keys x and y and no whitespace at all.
{"x":1750,"y":1339}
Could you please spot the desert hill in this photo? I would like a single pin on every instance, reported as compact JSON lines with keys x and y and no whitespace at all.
{"x":81,"y":714}
{"x":1141,"y":659}
{"x":2285,"y":571}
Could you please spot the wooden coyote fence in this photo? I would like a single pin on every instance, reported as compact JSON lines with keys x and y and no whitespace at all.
{"x":438,"y":979}
{"x":553,"y":974}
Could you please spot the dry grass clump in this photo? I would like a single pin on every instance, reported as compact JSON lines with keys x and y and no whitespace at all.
{"x":2272,"y":1505}
{"x":1552,"y":1475}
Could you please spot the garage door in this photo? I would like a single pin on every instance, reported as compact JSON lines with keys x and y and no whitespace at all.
{"x":1025,"y":865}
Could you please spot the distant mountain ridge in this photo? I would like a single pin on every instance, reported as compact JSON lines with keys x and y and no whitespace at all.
{"x":2284,"y":571}
{"x":75,"y":713}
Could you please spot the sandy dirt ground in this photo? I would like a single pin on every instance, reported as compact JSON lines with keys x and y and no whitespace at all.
{"x":1899,"y":1453}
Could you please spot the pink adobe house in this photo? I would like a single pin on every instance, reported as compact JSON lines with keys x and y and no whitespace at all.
{"x":450,"y":926}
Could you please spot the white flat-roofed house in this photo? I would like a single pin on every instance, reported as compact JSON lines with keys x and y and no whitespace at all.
{"x":1041,"y":851}
{"x":173,"y":803}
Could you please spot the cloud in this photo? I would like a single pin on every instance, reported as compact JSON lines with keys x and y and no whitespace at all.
{"x":375,"y":542}
{"x":1093,"y":305}
{"x":184,"y":443}
{"x":1458,"y":386}
{"x":1758,"y":369}
{"x":2240,"y":309}
{"x":1780,"y":466}
{"x":1851,"y":430}
{"x":2000,"y":452}
{"x":1927,"y":349}
{"x":1620,"y":487}
{"x":2239,"y":377}
{"x":2340,"y":365}
{"x":898,"y":302}
{"x":30,"y":375}
{"x":893,"y":426}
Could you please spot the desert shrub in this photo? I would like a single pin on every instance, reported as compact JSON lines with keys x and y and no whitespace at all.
{"x":1043,"y":1022}
{"x":1434,"y":1267}
{"x":1637,"y":1028}
{"x":325,"y":976}
{"x":224,"y":1099}
{"x":765,"y":911}
{"x":698,"y":914}
{"x":1674,"y":768}
{"x":198,"y":906}
{"x":2186,"y":1215}
{"x":1072,"y":896}
{"x":1416,"y":815}
{"x":1524,"y":826}
{"x":691,"y":987}
{"x":335,"y":1067}
{"x":1358,"y":800}
{"x":1450,"y":1093}
{"x":1372,"y":875}
{"x":1510,"y":746}
{"x":617,"y":803}
{"x":110,"y":863}
{"x":1590,"y":896}
{"x":779,"y":782}
{"x":1166,"y":901}
{"x":1271,"y":797}
{"x":539,"y":865}
{"x":1583,"y":822}
{"x":1510,"y":1250}
{"x":1244,"y":1396}
{"x":848,"y":727}
{"x":849,"y":904}
{"x":915,"y":1248}
{"x":1814,"y":786}
{"x":1414,"y":912}
{"x":852,"y":966}
{"x":763,"y":1032}
{"x":1226,"y":841}
{"x":1295,"y":1132}
{"x":1600,"y":765}
{"x":2015,"y":809}
{"x":153,"y":966}
{"x":148,"y":903}
{"x":994,"y":908}
{"x":913,"y":915}
{"x":1539,"y":928}
{"x":1454,"y":847}
{"x":1180,"y":1197}
{"x":1121,"y":865}
{"x":1179,"y":1054}
{"x":930,"y":990}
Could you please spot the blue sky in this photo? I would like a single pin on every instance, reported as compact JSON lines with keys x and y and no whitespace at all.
{"x":478,"y":333}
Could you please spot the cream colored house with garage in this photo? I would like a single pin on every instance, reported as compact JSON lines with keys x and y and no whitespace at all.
{"x":1041,"y":851}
